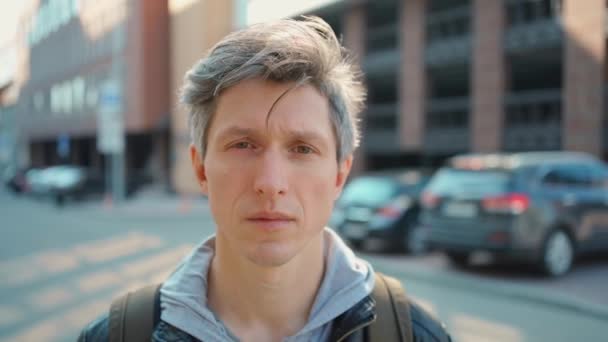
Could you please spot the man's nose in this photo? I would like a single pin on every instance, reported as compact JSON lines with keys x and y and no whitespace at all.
{"x":270,"y":174}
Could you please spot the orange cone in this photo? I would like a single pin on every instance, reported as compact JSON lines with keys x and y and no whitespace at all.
{"x":107,"y":201}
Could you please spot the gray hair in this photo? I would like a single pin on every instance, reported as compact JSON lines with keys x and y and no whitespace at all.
{"x":286,"y":50}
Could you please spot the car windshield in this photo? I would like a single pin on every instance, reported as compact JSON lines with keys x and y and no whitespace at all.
{"x":474,"y":183}
{"x":369,"y":191}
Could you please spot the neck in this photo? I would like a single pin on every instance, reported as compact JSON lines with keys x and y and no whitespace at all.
{"x":255,"y":300}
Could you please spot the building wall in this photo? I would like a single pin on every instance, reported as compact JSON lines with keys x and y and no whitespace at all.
{"x":412,"y":81}
{"x":584,"y":60}
{"x":488,"y":71}
{"x":194,"y":30}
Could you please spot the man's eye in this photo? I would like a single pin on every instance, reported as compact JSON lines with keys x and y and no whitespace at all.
{"x":242,"y":145}
{"x":303,"y":149}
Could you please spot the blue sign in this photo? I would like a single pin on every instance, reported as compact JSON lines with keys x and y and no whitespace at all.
{"x":63,"y":146}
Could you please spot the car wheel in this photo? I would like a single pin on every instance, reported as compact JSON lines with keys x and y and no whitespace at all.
{"x":557,"y":254}
{"x":458,"y":258}
{"x":356,"y":244}
{"x":59,"y":200}
{"x":415,"y":241}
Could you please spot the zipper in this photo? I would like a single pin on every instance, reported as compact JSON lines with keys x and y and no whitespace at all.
{"x":360,"y":326}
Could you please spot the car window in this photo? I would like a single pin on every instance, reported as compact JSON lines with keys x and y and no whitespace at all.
{"x":569,"y":175}
{"x":369,"y":191}
{"x":599,"y":176}
{"x":450,"y":181}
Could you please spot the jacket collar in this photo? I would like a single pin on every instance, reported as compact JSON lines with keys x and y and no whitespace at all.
{"x":354,"y":319}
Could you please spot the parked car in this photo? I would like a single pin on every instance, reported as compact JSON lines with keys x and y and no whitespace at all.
{"x":382,"y":206}
{"x":57,"y":182}
{"x":544,"y":208}
{"x":14,"y":179}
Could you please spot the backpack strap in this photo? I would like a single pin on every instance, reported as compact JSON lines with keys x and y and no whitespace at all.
{"x":393,"y":320}
{"x":133,"y":316}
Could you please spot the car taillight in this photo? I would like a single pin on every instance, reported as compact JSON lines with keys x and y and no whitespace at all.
{"x":429,"y":200}
{"x":390,"y":211}
{"x":513,"y":203}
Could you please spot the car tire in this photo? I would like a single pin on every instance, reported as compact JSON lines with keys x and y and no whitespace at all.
{"x":356,"y":244}
{"x":557,"y":254}
{"x":59,"y":200}
{"x":415,"y":241}
{"x":459,"y":259}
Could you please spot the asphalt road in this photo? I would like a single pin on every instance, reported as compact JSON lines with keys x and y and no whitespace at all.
{"x":60,"y":268}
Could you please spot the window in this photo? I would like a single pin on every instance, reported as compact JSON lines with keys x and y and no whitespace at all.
{"x":569,"y":175}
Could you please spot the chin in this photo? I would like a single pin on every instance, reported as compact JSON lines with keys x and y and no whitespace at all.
{"x":271,"y":254}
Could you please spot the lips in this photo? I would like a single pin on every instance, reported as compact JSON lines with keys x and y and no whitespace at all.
{"x":271,"y":216}
{"x":271,"y":221}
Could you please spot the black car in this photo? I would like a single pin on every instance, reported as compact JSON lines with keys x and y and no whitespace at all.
{"x":14,"y":179}
{"x":384,"y":207}
{"x":543,"y":208}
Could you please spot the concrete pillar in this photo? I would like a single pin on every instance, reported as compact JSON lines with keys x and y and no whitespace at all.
{"x":354,"y":25}
{"x":488,"y":76}
{"x":412,"y":76}
{"x":584,"y":56}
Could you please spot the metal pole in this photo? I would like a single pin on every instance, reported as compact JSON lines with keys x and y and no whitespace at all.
{"x":118,"y":164}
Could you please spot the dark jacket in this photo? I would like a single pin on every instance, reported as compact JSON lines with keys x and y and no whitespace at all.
{"x":348,"y":327}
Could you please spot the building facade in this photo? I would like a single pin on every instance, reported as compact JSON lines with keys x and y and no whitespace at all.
{"x":454,"y":76}
{"x":69,"y":52}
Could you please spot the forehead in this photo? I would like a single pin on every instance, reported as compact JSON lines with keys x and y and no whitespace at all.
{"x":261,"y":105}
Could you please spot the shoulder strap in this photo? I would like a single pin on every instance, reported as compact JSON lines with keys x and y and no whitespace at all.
{"x":134,"y":315}
{"x":393,"y":320}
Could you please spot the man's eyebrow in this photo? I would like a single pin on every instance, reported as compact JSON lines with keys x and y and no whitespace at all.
{"x":306,"y":135}
{"x":236,"y":131}
{"x":296,"y":134}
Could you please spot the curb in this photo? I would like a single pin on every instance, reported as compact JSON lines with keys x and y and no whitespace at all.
{"x":494,"y":287}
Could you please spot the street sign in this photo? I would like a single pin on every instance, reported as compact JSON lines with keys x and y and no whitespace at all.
{"x":110,"y":128}
{"x":63,"y":146}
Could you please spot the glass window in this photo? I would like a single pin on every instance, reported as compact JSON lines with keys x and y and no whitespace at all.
{"x":449,"y":181}
{"x":369,"y":191}
{"x":569,"y":175}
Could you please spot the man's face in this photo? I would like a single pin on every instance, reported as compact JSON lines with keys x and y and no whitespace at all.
{"x":270,"y":169}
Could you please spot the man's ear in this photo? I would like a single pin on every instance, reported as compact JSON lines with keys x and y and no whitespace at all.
{"x":343,"y":172}
{"x":199,"y":169}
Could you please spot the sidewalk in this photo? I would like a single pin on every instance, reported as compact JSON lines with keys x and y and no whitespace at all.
{"x":505,"y":288}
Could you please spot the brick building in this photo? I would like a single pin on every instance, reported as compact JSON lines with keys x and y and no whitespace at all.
{"x":68,"y":51}
{"x":452,"y":76}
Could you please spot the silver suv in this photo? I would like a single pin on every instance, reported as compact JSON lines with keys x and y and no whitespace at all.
{"x":540,"y":207}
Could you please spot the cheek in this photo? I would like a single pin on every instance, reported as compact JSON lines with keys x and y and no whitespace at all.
{"x":224,"y":191}
{"x":320,"y":193}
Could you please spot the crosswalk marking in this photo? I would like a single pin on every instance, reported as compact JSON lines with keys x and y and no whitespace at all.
{"x":98,"y":281}
{"x":54,"y":328}
{"x":104,"y":251}
{"x":9,"y":315}
{"x":32,"y":268}
{"x":49,"y":298}
{"x":155,"y":262}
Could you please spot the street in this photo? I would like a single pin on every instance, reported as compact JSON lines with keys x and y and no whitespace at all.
{"x":60,"y":268}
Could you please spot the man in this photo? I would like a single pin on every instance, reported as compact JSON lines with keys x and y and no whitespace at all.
{"x":273,"y":120}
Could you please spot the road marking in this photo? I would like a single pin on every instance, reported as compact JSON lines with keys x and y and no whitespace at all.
{"x":103,"y":251}
{"x":59,"y":325}
{"x":466,"y":328}
{"x":10,"y":315}
{"x":59,"y":295}
{"x":98,"y":281}
{"x":156,"y":262}
{"x":32,"y":268}
{"x":50,"y":298}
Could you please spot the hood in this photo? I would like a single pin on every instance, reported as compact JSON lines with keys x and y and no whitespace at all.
{"x":346,"y":281}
